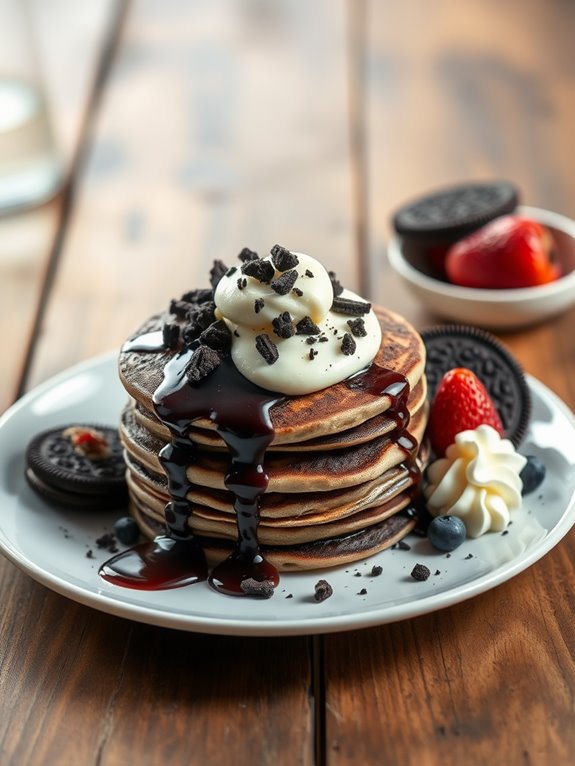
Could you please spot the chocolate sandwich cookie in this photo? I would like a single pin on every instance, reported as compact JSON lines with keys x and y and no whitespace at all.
{"x":450,"y":346}
{"x":449,"y":214}
{"x":78,"y":465}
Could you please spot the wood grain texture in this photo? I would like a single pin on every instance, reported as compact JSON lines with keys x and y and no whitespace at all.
{"x":454,"y":97}
{"x":63,"y":30}
{"x":87,"y":688}
{"x":210,"y":137}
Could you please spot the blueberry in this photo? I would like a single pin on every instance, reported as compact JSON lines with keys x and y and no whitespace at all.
{"x":126,"y":530}
{"x":446,"y":533}
{"x":532,"y":474}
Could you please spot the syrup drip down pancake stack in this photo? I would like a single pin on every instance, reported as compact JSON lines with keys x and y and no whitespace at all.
{"x":302,"y":481}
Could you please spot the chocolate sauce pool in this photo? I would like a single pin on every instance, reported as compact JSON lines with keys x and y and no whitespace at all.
{"x":240,"y":412}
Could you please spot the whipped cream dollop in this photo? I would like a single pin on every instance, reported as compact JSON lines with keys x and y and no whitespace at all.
{"x":477,"y":480}
{"x":289,"y":334}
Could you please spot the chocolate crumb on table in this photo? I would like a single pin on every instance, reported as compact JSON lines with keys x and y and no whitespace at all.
{"x":323,"y":590}
{"x":376,"y":571}
{"x":362,"y":592}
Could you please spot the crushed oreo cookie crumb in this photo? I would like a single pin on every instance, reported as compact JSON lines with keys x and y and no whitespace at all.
{"x":348,"y":306}
{"x":289,"y":595}
{"x":217,"y":271}
{"x":180,"y":308}
{"x":170,"y":334}
{"x":309,"y":273}
{"x":348,"y":345}
{"x":253,"y":587}
{"x":335,"y":283}
{"x":357,"y":574}
{"x":437,"y":572}
{"x":305,"y":326}
{"x":312,"y":354}
{"x":357,"y":327}
{"x":420,"y":572}
{"x":89,"y":553}
{"x":283,"y":325}
{"x":323,"y":339}
{"x":217,"y":336}
{"x":199,"y":319}
{"x":267,"y":348}
{"x":469,"y":556}
{"x":107,"y":541}
{"x":297,"y":292}
{"x":263,"y":271}
{"x":283,"y":259}
{"x":204,"y":360}
{"x":323,"y":590}
{"x":258,"y":305}
{"x":282,"y":285}
{"x":200,"y":295}
{"x":505,"y":532}
{"x":231,"y":271}
{"x":310,"y":340}
{"x":376,"y":571}
{"x":362,"y":592}
{"x":247,"y":255}
{"x":242,"y":283}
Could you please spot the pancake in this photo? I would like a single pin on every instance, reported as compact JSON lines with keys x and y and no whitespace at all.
{"x":288,"y":472}
{"x":379,"y":425}
{"x":341,"y":464}
{"x":320,"y":554}
{"x":298,"y":418}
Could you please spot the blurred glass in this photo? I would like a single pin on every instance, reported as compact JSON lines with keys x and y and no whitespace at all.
{"x":30,"y":168}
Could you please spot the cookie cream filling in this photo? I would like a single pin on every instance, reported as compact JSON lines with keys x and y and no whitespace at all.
{"x":289,"y":333}
{"x":477,"y":480}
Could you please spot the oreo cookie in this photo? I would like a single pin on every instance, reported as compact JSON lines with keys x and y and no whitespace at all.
{"x":449,"y":214}
{"x":81,"y":466}
{"x":450,"y":346}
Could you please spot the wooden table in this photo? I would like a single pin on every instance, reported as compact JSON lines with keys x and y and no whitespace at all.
{"x":190,"y":129}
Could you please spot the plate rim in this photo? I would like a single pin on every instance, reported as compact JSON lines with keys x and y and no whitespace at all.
{"x":363,"y":617}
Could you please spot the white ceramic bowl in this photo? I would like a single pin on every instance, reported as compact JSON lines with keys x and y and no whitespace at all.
{"x":495,"y":309}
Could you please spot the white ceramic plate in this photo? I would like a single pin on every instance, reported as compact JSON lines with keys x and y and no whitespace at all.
{"x":51,"y":545}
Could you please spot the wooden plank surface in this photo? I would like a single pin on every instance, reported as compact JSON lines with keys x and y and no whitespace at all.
{"x":210,"y":138}
{"x":453,"y":92}
{"x":69,"y":41}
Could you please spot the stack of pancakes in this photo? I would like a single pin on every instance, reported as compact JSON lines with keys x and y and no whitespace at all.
{"x":339,"y":482}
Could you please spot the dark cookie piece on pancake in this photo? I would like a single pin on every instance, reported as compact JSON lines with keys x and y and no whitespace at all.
{"x":78,"y":465}
{"x":450,"y":346}
{"x":451,"y":213}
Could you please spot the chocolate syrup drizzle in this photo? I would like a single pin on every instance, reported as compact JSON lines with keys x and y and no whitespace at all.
{"x":240,"y":411}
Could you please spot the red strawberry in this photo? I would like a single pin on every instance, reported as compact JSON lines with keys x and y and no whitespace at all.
{"x":510,"y":251}
{"x":461,"y":402}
